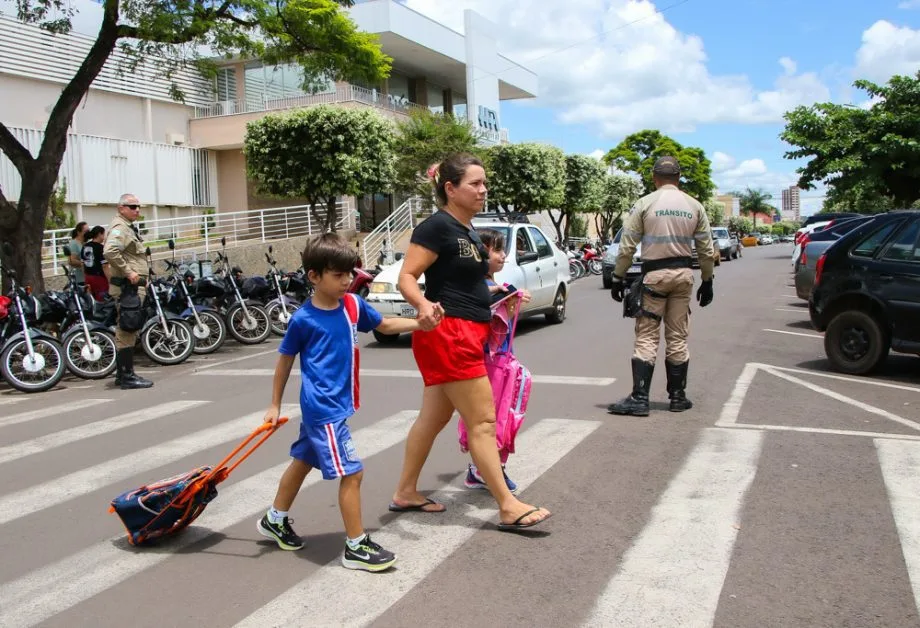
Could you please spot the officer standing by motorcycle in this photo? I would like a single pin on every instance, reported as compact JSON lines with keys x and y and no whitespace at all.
{"x":124,"y":251}
{"x":667,"y":222}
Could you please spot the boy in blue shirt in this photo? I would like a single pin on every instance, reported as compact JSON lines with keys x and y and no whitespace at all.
{"x":324,"y":331}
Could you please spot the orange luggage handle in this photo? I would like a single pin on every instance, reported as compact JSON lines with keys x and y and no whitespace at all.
{"x":220,"y":472}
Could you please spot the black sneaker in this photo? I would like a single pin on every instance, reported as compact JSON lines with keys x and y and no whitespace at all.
{"x":281,"y":533}
{"x":368,"y":556}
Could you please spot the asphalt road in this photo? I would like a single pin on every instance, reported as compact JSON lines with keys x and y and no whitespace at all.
{"x":788,"y":496}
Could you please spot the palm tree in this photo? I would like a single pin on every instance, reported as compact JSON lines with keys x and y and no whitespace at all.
{"x":753,"y":202}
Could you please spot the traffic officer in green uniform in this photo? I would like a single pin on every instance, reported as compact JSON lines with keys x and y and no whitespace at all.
{"x":668,"y":223}
{"x":124,"y":251}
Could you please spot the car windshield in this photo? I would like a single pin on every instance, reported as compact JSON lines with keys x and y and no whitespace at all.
{"x":720,"y":233}
{"x":505,"y":231}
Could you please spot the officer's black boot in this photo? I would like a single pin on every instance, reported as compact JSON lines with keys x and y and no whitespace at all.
{"x":119,"y":367}
{"x":637,"y":403}
{"x":677,"y":382}
{"x":129,"y":379}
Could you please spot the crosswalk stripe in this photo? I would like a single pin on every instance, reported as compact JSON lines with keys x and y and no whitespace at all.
{"x":47,"y":591}
{"x":412,"y":374}
{"x":416,"y":541}
{"x":35,"y":498}
{"x":674,"y":572}
{"x":96,"y":428}
{"x":8,"y":401}
{"x":70,"y":406}
{"x":900,"y":464}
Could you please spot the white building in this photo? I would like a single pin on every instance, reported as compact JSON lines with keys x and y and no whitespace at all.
{"x":129,"y":135}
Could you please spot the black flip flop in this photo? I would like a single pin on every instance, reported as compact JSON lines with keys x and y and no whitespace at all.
{"x":517,"y":525}
{"x":394,"y":507}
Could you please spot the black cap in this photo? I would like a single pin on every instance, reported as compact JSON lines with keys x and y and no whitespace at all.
{"x":667,"y":166}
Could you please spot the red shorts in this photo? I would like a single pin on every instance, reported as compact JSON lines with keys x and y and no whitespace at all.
{"x":451,"y":352}
{"x":97,"y":285}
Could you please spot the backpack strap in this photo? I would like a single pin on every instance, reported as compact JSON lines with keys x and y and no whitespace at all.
{"x":352,"y":309}
{"x":514,"y":321}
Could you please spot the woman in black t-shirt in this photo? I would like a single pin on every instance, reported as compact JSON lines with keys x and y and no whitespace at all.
{"x":454,"y":315}
{"x":94,"y":264}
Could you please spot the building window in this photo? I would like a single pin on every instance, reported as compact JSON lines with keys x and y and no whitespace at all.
{"x":225,"y":85}
{"x":436,"y":98}
{"x":265,"y":83}
{"x":460,"y":106}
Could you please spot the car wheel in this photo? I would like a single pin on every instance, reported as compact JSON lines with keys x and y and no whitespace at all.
{"x":385,"y":339}
{"x":607,"y":282}
{"x":558,"y":314}
{"x":855,"y":342}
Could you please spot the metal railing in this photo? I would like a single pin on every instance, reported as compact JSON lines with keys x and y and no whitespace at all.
{"x":379,"y":246}
{"x":342,"y":94}
{"x":201,"y":233}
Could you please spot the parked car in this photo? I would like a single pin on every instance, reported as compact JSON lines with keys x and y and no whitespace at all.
{"x":814,"y":247}
{"x":610,"y":261}
{"x":866,"y":295}
{"x":826,"y":217}
{"x":766,"y":239}
{"x":725,"y":243}
{"x":750,"y":240}
{"x":533,"y":263}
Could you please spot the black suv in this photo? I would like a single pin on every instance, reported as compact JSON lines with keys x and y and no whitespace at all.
{"x":867,"y":293}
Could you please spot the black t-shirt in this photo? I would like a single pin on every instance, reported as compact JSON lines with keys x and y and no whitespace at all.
{"x":457,"y":279}
{"x":92,"y":259}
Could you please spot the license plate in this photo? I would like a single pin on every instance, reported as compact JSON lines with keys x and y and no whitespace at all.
{"x":637,"y":268}
{"x":408,"y":311}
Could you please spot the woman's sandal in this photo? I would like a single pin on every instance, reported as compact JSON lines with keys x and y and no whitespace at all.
{"x":517,"y":525}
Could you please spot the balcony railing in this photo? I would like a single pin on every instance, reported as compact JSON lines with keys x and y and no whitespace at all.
{"x":342,"y":94}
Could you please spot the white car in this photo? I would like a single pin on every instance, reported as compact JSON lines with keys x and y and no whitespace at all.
{"x":533,"y":263}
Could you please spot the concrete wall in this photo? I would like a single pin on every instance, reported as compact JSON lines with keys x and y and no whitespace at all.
{"x":105,"y":114}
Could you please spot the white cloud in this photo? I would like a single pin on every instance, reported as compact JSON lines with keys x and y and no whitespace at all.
{"x":629,"y":68}
{"x":909,"y":4}
{"x":597,"y":153}
{"x":887,"y":50}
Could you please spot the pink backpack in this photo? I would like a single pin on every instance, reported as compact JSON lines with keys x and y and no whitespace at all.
{"x":511,"y":383}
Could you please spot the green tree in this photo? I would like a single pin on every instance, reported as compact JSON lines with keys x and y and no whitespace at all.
{"x":754,"y":201}
{"x":58,"y":217}
{"x":638,"y":152}
{"x":740,"y":225}
{"x":861,"y":151}
{"x":321,"y":153}
{"x":425,"y":139}
{"x":584,"y":192}
{"x":528,"y":176}
{"x":715,"y":211}
{"x":621,"y":191}
{"x":316,"y":34}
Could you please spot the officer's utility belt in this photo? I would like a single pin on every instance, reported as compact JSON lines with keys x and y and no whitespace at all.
{"x":668,"y":262}
{"x":632,"y":301}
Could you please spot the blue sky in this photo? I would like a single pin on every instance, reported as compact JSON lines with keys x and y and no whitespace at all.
{"x":717,"y":74}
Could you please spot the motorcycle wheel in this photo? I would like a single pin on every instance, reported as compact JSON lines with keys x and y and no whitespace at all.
{"x":173,"y":348}
{"x":274,"y":315}
{"x":573,"y":271}
{"x":48,"y":370}
{"x":217,"y":333}
{"x":80,"y":358}
{"x":256,"y":331}
{"x":596,"y":266}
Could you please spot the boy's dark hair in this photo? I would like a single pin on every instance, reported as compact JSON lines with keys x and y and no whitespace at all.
{"x":328,"y":251}
{"x":452,"y":169}
{"x":96,"y":231}
{"x":494,"y":240}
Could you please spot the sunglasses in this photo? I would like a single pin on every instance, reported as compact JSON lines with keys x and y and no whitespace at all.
{"x":132,"y":206}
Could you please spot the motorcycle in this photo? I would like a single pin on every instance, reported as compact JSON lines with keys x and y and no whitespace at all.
{"x":89,"y":345}
{"x":166,"y":338}
{"x":361,"y":283}
{"x":208,"y":327}
{"x":246,"y":319}
{"x":281,"y":307}
{"x":30,"y":359}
